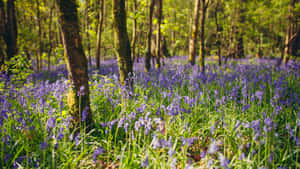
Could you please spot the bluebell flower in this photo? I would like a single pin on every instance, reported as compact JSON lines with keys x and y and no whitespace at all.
{"x":210,"y":162}
{"x":213,"y":148}
{"x":242,"y":156}
{"x":43,"y":145}
{"x":51,"y":123}
{"x":224,"y":162}
{"x":171,"y":152}
{"x":84,"y":114}
{"x":203,"y":154}
{"x":145,"y":163}
{"x":173,"y":163}
{"x":155,"y":142}
{"x":77,"y":139}
{"x":98,"y":152}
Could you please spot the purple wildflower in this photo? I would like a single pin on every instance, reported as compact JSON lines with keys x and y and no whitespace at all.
{"x":145,"y":163}
{"x":43,"y":145}
{"x":51,"y":123}
{"x":98,"y":152}
{"x":213,"y":148}
{"x":224,"y":162}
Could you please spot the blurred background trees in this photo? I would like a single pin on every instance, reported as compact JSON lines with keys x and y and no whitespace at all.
{"x":232,"y":29}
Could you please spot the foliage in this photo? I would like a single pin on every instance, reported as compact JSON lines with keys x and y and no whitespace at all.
{"x":242,"y":115}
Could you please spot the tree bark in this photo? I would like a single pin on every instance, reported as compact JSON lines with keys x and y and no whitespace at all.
{"x":86,"y":11}
{"x":99,"y":33}
{"x":194,"y":35}
{"x":289,"y":40}
{"x":133,"y":42}
{"x":2,"y":34}
{"x":50,"y":38}
{"x":149,"y":35}
{"x":158,"y":34}
{"x":204,"y":5}
{"x":218,"y":33}
{"x":40,"y":51}
{"x":121,"y":41}
{"x":11,"y":30}
{"x":78,"y":97}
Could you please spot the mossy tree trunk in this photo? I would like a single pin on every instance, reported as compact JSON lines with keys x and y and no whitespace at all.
{"x":78,"y":97}
{"x":194,"y":35}
{"x":158,"y":33}
{"x":99,"y":33}
{"x":204,"y":5}
{"x":121,"y":41}
{"x":149,"y":36}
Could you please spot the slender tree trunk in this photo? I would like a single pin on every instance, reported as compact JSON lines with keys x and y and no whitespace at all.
{"x":149,"y":35}
{"x":50,"y":38}
{"x":218,"y":33}
{"x":78,"y":97}
{"x":11,"y":30}
{"x":289,"y":40}
{"x":121,"y":41}
{"x":2,"y":34}
{"x":173,"y":39}
{"x":158,"y":34}
{"x":133,"y":42}
{"x":99,"y":33}
{"x":204,"y":6}
{"x":40,"y":51}
{"x":194,"y":35}
{"x":239,"y":42}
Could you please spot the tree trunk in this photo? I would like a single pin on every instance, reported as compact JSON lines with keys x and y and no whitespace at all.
{"x":121,"y":41}
{"x":2,"y":34}
{"x":50,"y":38}
{"x":78,"y":97}
{"x":194,"y":35}
{"x":289,"y":40}
{"x":87,"y":31}
{"x":218,"y":33}
{"x":149,"y":35}
{"x":133,"y":42}
{"x":39,"y":56}
{"x":11,"y":30}
{"x":204,"y":6}
{"x":239,"y":43}
{"x":158,"y":34}
{"x":99,"y":33}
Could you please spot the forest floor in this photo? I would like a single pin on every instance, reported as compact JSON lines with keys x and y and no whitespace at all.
{"x":244,"y":114}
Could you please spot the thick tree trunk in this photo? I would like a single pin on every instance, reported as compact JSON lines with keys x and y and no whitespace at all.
{"x":121,"y":41}
{"x":78,"y":97}
{"x":149,"y":36}
{"x":133,"y":42}
{"x":204,"y":6}
{"x":87,"y":23}
{"x":99,"y":33}
{"x":158,"y":34}
{"x":11,"y":30}
{"x":194,"y":35}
